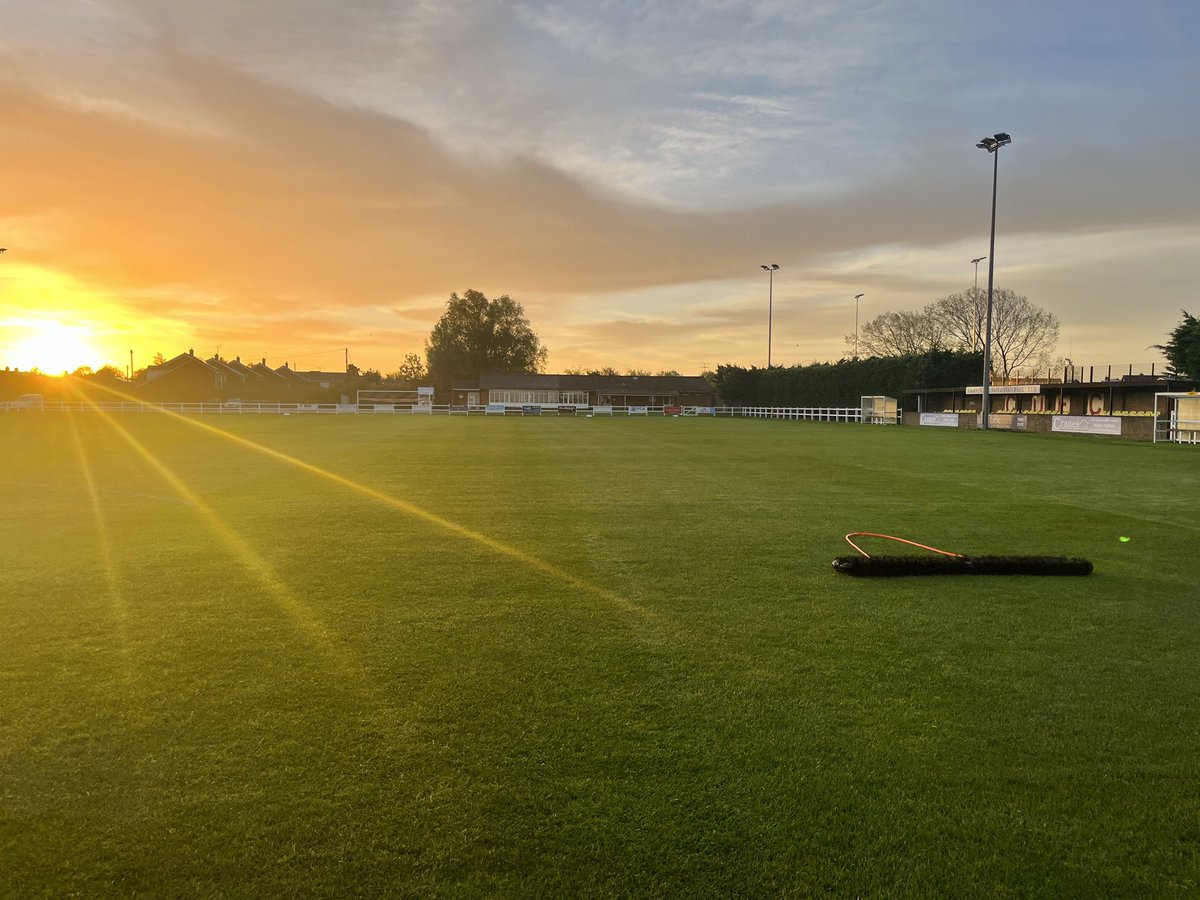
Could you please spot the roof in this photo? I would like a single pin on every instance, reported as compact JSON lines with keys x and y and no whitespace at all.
{"x":261,"y":368}
{"x":240,"y":367}
{"x":289,"y":373}
{"x":1128,"y":382}
{"x":607,"y":384}
{"x":314,"y":375}
{"x":175,"y":364}
{"x":224,"y":365}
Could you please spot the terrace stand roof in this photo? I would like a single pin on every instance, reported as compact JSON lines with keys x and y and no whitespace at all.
{"x":1166,"y":382}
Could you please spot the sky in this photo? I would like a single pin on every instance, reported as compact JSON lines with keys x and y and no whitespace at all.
{"x":308,"y":180}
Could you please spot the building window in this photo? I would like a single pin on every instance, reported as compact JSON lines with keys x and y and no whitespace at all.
{"x":543,"y":398}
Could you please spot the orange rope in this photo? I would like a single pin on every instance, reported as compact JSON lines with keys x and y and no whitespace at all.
{"x":893,"y":538}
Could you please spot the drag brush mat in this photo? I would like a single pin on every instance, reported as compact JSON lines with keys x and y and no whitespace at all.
{"x":891,"y":566}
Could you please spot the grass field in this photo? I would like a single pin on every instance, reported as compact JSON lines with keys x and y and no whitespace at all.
{"x":589,"y":657}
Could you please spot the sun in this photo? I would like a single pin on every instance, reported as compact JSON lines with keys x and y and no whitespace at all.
{"x":48,"y":346}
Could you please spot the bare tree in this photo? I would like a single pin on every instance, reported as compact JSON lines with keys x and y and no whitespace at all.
{"x":901,"y":333}
{"x":964,"y":317}
{"x":1022,"y":334}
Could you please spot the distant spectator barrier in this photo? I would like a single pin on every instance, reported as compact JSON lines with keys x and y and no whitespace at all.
{"x":940,"y":419}
{"x":813,"y":413}
{"x":1177,"y":419}
{"x":238,"y":408}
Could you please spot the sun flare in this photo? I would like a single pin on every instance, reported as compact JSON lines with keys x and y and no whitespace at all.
{"x":49,"y":346}
{"x":54,"y":323}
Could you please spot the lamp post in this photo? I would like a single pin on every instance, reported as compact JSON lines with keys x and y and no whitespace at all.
{"x":975,"y":301}
{"x":992,"y":145}
{"x":857,"y":297}
{"x":771,"y":269}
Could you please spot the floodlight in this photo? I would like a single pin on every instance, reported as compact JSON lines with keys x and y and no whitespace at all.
{"x":991,"y":145}
{"x":770,"y":270}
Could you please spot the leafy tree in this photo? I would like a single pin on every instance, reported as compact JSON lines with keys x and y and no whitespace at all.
{"x":607,"y":370}
{"x":1183,"y":349}
{"x":477,"y":335}
{"x":667,"y":372}
{"x":158,"y":360}
{"x":108,"y":373}
{"x":96,"y":383}
{"x":411,"y":372}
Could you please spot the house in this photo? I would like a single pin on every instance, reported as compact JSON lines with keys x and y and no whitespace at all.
{"x":295,"y":381}
{"x":239,"y":380}
{"x":184,"y":379}
{"x":188,"y":379}
{"x":273,"y":384}
{"x":326,"y":380}
{"x":584,"y":390}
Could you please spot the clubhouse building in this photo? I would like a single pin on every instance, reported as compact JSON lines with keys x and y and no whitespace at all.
{"x":584,"y":390}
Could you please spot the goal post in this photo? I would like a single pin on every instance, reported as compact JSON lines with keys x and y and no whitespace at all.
{"x":378,"y":397}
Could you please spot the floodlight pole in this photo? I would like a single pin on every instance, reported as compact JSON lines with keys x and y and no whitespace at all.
{"x":974,"y":298}
{"x":857,"y":297}
{"x":992,"y":145}
{"x":771,"y":269}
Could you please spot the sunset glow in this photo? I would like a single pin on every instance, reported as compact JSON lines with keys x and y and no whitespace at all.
{"x":48,"y":346}
{"x":197,"y":184}
{"x":54,"y":323}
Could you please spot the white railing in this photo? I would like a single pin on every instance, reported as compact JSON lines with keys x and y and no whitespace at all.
{"x":809,"y":413}
{"x":813,"y":414}
{"x":1177,"y":431}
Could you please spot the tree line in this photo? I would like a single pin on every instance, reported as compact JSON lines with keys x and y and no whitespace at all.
{"x":845,"y":382}
{"x":476,"y":335}
{"x":940,"y":345}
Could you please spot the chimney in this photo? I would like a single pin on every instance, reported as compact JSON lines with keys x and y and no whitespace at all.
{"x":191,"y":351}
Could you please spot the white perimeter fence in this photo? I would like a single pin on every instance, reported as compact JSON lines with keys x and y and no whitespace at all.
{"x":812,"y":414}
